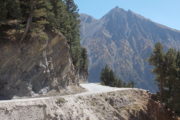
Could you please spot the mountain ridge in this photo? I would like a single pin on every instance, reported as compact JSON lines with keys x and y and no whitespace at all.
{"x":124,"y":40}
{"x":138,"y":15}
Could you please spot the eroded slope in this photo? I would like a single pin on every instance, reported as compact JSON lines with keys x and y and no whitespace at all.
{"x":36,"y":67}
{"x":111,"y":104}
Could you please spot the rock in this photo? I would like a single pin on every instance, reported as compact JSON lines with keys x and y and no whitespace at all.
{"x":36,"y":67}
{"x":132,"y":104}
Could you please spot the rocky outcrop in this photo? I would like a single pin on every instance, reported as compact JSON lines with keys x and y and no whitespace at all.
{"x":124,"y":40}
{"x":36,"y":67}
{"x":130,"y":104}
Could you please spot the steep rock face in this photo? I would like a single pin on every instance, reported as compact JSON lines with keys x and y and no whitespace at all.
{"x":118,"y":105}
{"x":124,"y":40}
{"x":36,"y":67}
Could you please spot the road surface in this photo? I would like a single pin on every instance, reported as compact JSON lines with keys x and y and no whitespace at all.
{"x":92,"y":88}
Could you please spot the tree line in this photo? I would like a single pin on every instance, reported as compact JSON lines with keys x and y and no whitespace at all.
{"x":109,"y":78}
{"x":31,"y":19}
{"x":167,"y":70}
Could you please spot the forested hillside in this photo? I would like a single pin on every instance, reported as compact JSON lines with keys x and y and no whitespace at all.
{"x":24,"y":20}
{"x":34,"y":53}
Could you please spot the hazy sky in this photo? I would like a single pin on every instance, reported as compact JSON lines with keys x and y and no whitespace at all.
{"x":166,"y":12}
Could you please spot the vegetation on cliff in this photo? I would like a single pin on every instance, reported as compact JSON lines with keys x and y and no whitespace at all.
{"x":167,"y":70}
{"x":25,"y":20}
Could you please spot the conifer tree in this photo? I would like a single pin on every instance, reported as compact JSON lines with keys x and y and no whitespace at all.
{"x":9,"y":10}
{"x":36,"y":17}
{"x":109,"y":78}
{"x":37,"y":12}
{"x":176,"y":91}
{"x":157,"y":60}
{"x":84,"y":61}
{"x":170,"y":76}
{"x":71,"y":7}
{"x":105,"y":76}
{"x":73,"y":34}
{"x":167,"y":70}
{"x":3,"y":11}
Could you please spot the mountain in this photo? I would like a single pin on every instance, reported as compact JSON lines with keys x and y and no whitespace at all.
{"x":124,"y":40}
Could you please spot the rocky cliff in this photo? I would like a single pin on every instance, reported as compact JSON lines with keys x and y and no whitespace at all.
{"x":36,"y":67}
{"x":124,"y":40}
{"x":130,"y":104}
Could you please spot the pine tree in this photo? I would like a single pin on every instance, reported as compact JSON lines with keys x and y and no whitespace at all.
{"x":3,"y":11}
{"x":59,"y":18}
{"x":157,"y":60}
{"x":35,"y":17}
{"x":9,"y":10}
{"x":176,"y":95}
{"x":10,"y":14}
{"x":105,"y":75}
{"x":73,"y":34}
{"x":167,"y":70}
{"x":71,"y":7}
{"x":84,"y":61}
{"x":170,"y":76}
{"x":109,"y":78}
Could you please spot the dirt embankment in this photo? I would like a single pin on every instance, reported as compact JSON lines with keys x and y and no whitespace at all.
{"x":125,"y":104}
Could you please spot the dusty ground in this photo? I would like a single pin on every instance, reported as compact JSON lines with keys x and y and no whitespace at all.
{"x":98,"y":103}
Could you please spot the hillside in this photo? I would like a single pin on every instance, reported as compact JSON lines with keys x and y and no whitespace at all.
{"x":36,"y":68}
{"x":40,"y":49}
{"x":99,"y":102}
{"x":43,"y":64}
{"x":124,"y":40}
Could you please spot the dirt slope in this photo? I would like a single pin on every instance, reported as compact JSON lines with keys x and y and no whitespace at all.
{"x":98,"y":103}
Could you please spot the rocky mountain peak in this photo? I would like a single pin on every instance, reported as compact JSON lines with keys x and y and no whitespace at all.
{"x":115,"y":12}
{"x":117,"y":9}
{"x":124,"y":40}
